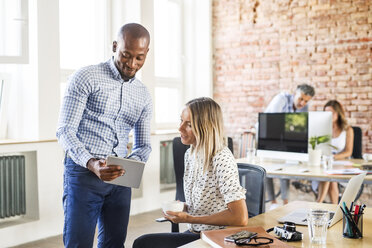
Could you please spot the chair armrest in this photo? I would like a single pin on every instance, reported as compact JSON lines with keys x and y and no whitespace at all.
{"x":162,"y":219}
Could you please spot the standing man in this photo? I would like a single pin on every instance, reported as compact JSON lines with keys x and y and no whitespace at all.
{"x":283,"y":103}
{"x":102,"y":104}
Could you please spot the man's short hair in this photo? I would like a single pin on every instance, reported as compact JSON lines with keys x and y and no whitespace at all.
{"x":135,"y":30}
{"x":306,"y":89}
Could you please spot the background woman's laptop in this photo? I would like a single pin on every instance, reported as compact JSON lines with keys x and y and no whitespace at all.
{"x":299,"y":216}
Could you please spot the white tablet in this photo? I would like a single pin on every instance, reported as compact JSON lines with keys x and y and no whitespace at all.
{"x":133,"y":171}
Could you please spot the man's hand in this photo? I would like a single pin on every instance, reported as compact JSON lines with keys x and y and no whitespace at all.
{"x":178,"y":217}
{"x":104,"y":172}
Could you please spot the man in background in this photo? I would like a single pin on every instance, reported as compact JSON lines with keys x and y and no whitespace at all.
{"x":102,"y":104}
{"x":287,"y":103}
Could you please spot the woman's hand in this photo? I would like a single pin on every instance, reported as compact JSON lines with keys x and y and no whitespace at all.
{"x":178,"y":217}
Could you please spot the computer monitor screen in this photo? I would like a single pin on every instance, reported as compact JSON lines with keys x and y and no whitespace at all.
{"x":320,"y":123}
{"x":285,"y":135}
{"x":286,"y":132}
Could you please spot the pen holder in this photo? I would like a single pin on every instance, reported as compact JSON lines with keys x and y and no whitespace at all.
{"x":349,"y":229}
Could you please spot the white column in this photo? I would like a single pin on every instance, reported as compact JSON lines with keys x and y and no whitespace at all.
{"x":198,"y":49}
{"x":148,"y":70}
{"x":48,"y":66}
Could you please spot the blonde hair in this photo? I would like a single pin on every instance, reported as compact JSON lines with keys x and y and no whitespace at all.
{"x":341,"y":120}
{"x":207,"y":127}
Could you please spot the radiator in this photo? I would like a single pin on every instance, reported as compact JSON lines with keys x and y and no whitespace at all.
{"x":12,"y":186}
{"x":167,"y":175}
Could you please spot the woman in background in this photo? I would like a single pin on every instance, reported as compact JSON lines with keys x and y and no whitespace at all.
{"x":342,"y":142}
{"x":214,"y":197}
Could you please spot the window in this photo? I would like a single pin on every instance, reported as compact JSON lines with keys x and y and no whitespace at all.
{"x":167,"y":103}
{"x":168,"y":40}
{"x":86,"y":38}
{"x":3,"y":107}
{"x":82,"y":32}
{"x":13,"y":31}
{"x":168,"y":51}
{"x":83,"y":35}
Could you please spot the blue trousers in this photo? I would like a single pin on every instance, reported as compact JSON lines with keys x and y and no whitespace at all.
{"x":87,"y":200}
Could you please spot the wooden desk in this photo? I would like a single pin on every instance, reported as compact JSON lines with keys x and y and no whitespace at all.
{"x":304,"y":171}
{"x":334,"y":234}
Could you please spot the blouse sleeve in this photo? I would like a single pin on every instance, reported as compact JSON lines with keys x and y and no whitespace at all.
{"x":228,"y":176}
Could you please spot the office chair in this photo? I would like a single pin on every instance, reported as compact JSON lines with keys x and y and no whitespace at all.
{"x":247,"y":140}
{"x":357,"y":148}
{"x":252,"y":178}
{"x":179,"y":151}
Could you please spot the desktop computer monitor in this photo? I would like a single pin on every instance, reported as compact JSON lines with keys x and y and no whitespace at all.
{"x":283,"y":136}
{"x":320,"y":123}
{"x":286,"y":135}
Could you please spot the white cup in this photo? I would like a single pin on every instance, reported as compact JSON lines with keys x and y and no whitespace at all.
{"x":367,"y":156}
{"x":174,"y":206}
{"x":317,"y":222}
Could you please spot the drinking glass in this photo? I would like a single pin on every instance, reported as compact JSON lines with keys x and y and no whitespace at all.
{"x":328,"y":162}
{"x":317,"y":222}
{"x":251,"y":154}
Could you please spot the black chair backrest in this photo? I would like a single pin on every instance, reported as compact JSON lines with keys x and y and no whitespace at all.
{"x":252,"y":178}
{"x":230,"y":144}
{"x":357,"y":148}
{"x":179,"y":150}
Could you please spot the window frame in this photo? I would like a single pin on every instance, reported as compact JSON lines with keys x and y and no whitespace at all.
{"x":66,"y":73}
{"x":173,"y":82}
{"x":23,"y":58}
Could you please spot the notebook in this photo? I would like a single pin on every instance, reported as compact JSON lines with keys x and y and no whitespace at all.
{"x":133,"y":171}
{"x":299,"y":216}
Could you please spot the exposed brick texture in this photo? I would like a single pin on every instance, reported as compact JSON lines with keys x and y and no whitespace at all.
{"x":266,"y":46}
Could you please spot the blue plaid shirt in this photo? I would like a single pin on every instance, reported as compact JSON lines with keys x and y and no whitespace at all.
{"x":99,"y":110}
{"x":283,"y":103}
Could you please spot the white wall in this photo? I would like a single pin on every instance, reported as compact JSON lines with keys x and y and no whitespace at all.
{"x":48,"y":67}
{"x":44,"y":217}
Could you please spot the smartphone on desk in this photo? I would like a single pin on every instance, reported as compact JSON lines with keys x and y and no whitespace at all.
{"x":240,"y":235}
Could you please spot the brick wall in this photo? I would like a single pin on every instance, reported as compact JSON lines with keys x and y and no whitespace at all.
{"x":266,"y":46}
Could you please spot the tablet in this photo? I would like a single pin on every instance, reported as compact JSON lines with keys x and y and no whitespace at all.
{"x":133,"y":171}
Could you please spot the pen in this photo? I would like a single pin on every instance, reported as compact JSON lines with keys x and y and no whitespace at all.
{"x":351,"y":221}
{"x":362,"y":208}
{"x":356,"y":212}
{"x":351,"y":206}
{"x":348,"y":227}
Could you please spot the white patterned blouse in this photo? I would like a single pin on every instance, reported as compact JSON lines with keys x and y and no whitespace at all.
{"x":210,"y":192}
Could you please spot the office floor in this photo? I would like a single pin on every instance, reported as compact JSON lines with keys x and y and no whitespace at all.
{"x":144,"y":223}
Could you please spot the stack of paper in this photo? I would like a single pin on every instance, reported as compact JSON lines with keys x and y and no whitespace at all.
{"x":351,"y":171}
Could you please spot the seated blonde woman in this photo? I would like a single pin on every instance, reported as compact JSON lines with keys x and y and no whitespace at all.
{"x":342,"y":141}
{"x":214,"y":197}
